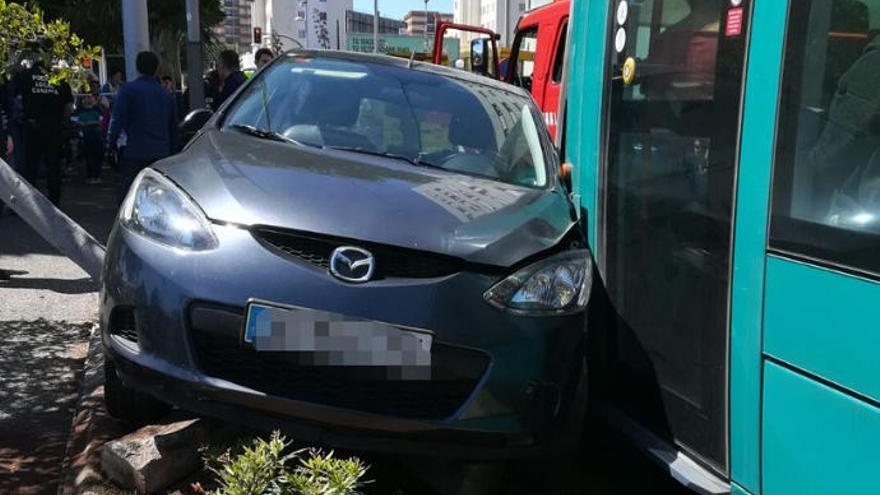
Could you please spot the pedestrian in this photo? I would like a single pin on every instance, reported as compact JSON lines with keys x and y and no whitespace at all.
{"x":147,"y":115}
{"x":115,"y":82}
{"x":6,"y":144}
{"x":46,"y":107}
{"x":263,"y":57}
{"x":231,"y":76}
{"x":89,"y":119}
{"x":168,"y":84}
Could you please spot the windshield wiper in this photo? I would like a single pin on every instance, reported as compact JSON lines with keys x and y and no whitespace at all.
{"x":357,"y":149}
{"x":267,"y":134}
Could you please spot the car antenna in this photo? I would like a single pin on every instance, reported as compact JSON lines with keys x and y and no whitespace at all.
{"x":412,"y":56}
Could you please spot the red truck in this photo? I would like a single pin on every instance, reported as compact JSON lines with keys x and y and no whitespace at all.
{"x":536,"y":57}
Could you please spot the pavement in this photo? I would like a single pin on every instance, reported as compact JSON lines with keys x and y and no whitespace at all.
{"x":52,"y":419}
{"x":47,"y":310}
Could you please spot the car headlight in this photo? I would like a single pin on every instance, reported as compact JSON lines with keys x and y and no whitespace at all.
{"x":557,"y":285}
{"x":157,"y":209}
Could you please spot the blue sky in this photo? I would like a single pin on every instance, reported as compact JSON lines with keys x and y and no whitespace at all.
{"x":396,"y":8}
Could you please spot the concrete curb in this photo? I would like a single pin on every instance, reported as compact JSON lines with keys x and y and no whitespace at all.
{"x":91,"y":426}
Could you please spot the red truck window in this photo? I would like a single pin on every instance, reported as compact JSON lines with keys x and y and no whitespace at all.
{"x":560,"y":54}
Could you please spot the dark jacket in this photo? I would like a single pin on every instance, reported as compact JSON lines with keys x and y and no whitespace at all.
{"x":230,"y":86}
{"x":6,"y":115}
{"x":147,"y":113}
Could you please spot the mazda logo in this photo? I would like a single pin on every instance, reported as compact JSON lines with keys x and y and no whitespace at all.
{"x":352,"y":264}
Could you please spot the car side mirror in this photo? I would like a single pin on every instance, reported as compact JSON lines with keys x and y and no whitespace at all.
{"x":192,"y":123}
{"x":480,"y":56}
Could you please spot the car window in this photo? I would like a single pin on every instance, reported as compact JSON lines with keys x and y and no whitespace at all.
{"x":826,"y":189}
{"x":524,"y":66}
{"x":454,"y":124}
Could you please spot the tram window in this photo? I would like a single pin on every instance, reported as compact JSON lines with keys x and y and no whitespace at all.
{"x":826,"y":191}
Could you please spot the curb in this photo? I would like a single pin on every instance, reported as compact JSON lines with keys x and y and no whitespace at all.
{"x":91,"y":426}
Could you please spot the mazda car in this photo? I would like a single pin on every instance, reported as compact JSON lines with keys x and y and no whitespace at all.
{"x":364,"y":251}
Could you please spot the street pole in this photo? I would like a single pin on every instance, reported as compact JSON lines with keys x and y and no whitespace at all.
{"x":427,"y":45}
{"x":194,"y":56}
{"x":375,"y":26}
{"x":136,"y":33}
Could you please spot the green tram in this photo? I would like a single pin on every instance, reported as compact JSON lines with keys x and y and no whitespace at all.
{"x":726,"y":158}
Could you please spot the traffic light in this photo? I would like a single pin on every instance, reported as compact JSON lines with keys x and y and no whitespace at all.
{"x":258,"y":35}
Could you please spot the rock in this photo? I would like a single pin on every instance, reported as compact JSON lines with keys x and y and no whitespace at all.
{"x":154,"y":457}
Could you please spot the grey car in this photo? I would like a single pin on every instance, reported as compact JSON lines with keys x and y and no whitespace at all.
{"x":364,"y":251}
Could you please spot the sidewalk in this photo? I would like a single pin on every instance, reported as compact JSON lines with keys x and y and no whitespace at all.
{"x":46,"y":312}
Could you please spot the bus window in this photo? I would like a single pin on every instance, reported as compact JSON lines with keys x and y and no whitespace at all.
{"x":826,"y":189}
{"x":667,"y":215}
{"x":523,"y":54}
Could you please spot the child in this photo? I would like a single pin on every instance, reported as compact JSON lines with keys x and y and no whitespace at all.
{"x":89,"y":117}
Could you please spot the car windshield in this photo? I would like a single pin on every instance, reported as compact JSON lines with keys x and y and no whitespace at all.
{"x":412,"y":115}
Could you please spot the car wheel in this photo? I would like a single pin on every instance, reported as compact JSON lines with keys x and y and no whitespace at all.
{"x":128,"y":404}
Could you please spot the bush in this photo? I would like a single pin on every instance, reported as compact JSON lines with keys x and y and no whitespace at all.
{"x":266,"y":468}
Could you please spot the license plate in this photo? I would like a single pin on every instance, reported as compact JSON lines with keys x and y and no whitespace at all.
{"x":331,"y":339}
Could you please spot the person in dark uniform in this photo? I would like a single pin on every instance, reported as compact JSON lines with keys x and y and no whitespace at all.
{"x":45,"y":107}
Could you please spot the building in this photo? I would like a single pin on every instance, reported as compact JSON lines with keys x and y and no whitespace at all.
{"x":360,"y":22}
{"x":415,"y":22}
{"x":500,"y":16}
{"x":235,"y":30}
{"x":288,"y":24}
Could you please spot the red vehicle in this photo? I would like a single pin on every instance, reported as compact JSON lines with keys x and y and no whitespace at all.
{"x":538,"y":55}
{"x":536,"y":58}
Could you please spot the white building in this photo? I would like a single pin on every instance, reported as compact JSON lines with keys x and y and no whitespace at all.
{"x":301,"y":23}
{"x":500,"y":16}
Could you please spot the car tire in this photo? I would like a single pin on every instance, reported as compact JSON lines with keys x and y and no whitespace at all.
{"x":127,"y":404}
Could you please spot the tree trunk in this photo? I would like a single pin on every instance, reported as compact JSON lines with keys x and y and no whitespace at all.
{"x":167,"y":45}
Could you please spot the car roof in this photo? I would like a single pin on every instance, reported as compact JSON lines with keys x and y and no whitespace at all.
{"x":429,"y":67}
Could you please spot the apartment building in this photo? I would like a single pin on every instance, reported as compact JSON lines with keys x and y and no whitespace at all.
{"x":416,"y":24}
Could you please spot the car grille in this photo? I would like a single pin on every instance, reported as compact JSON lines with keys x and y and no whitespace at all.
{"x":391,"y":261}
{"x":455,"y":373}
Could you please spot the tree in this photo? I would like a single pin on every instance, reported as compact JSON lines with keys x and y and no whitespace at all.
{"x":100,"y":21}
{"x":29,"y":38}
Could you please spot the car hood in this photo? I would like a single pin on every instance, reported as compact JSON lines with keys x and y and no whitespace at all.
{"x":246,"y":181}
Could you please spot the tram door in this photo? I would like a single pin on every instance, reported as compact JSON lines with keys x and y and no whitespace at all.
{"x":670,"y":160}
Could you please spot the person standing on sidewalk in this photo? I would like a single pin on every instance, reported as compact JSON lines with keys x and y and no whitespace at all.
{"x":46,"y":106}
{"x":231,"y":76}
{"x":147,"y":114}
{"x":89,"y":115}
{"x":6,"y":146}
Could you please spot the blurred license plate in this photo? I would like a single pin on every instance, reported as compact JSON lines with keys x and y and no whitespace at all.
{"x":330,"y":339}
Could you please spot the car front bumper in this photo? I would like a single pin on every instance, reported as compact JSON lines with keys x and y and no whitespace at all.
{"x":525,"y":374}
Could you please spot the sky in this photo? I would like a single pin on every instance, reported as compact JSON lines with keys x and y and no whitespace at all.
{"x":396,"y":8}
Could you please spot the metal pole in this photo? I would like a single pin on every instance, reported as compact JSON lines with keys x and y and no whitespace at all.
{"x":194,"y":56}
{"x":375,"y":26}
{"x":136,"y":33}
{"x":427,"y":45}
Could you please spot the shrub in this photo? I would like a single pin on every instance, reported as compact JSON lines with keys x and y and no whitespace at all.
{"x":267,"y":468}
